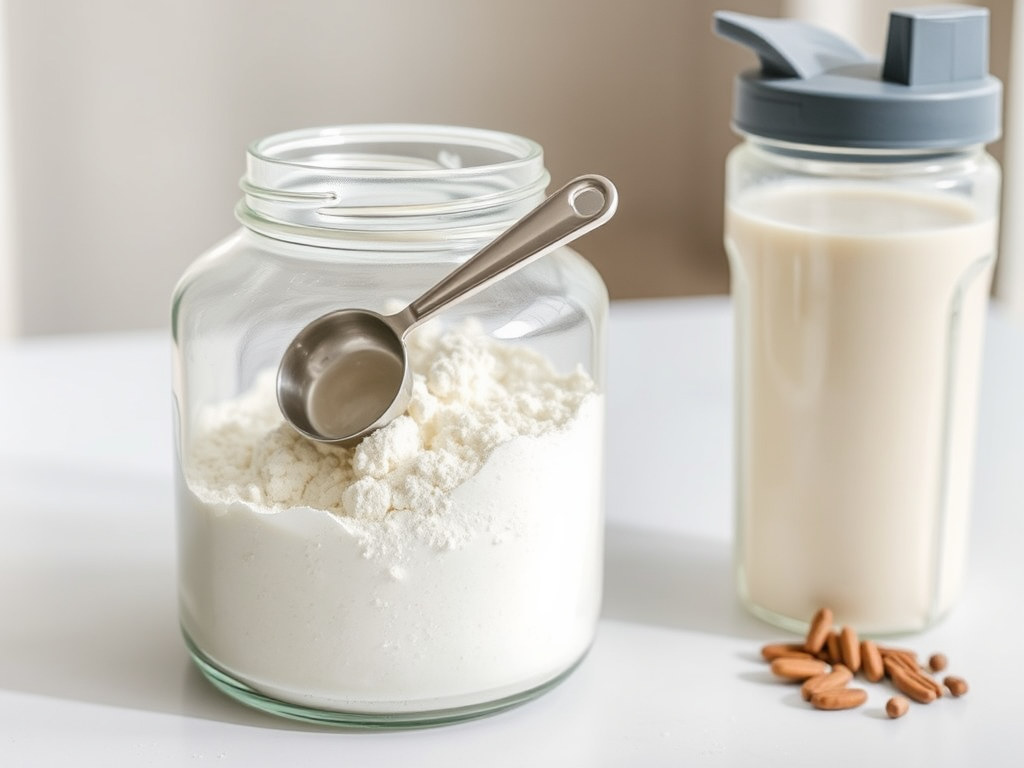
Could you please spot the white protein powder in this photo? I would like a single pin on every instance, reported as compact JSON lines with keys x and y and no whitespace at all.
{"x":453,"y":557}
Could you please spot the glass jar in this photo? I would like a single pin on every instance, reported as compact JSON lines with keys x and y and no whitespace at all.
{"x":860,"y":281}
{"x":450,"y":564}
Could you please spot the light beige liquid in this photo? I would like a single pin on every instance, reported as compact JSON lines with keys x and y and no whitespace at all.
{"x":860,"y":317}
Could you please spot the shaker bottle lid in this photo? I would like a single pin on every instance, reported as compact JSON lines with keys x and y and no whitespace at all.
{"x":933,"y":89}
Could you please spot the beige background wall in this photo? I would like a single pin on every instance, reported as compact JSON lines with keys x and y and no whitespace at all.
{"x":127,"y":122}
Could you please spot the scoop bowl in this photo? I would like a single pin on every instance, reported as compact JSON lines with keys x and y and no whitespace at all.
{"x":345,"y":375}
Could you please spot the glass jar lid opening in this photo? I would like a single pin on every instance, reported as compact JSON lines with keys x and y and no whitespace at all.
{"x":350,"y":181}
{"x":391,"y":150}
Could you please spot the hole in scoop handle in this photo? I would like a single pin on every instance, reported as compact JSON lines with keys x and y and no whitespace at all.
{"x":583,"y":204}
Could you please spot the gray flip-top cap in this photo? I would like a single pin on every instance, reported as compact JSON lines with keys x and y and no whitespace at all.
{"x":932,"y":91}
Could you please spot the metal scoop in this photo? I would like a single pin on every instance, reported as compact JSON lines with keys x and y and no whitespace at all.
{"x":347,"y":372}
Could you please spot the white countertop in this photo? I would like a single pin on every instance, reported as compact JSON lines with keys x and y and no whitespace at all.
{"x":93,"y":671}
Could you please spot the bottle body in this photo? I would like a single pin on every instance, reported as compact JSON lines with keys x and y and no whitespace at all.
{"x":860,"y":283}
{"x":449,"y":564}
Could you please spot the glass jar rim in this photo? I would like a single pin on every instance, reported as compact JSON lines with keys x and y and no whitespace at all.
{"x":292,"y":148}
{"x":363,"y":185}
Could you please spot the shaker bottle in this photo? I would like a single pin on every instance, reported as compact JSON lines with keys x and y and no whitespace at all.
{"x":860,"y":225}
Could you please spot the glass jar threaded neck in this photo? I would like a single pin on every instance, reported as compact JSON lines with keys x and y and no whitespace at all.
{"x":372,"y":186}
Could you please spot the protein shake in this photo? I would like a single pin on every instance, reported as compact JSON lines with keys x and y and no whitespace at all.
{"x":861,"y":330}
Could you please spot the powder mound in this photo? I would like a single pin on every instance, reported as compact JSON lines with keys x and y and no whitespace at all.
{"x":470,"y":394}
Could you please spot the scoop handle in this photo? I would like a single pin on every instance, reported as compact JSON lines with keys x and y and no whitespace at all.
{"x":583,"y":204}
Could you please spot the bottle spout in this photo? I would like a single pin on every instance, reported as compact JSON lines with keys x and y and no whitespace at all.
{"x":942,"y":44}
{"x":788,"y":48}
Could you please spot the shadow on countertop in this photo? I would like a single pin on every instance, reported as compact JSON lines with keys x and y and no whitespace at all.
{"x":675,"y":581}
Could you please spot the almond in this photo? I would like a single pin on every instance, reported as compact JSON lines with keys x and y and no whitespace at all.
{"x":798,"y":669}
{"x":957,"y":685}
{"x":774,"y":651}
{"x":932,"y":683}
{"x":839,"y":698}
{"x":818,"y":630}
{"x":871,"y":661}
{"x":849,"y":644}
{"x":834,"y":652}
{"x":837,"y":678}
{"x":897,"y":706}
{"x":937,"y":662}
